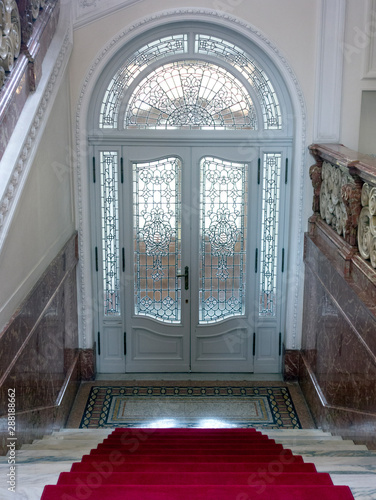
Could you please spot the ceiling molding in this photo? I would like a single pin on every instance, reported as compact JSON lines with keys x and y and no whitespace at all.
{"x":89,"y":11}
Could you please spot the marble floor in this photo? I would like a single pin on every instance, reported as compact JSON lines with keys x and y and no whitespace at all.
{"x":41,"y":462}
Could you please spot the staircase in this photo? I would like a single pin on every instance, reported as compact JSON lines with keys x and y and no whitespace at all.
{"x":41,"y":462}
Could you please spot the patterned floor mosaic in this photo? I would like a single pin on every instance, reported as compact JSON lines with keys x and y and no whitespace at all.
{"x":190,"y":406}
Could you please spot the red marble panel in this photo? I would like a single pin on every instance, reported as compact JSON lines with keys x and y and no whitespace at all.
{"x":339,"y":342}
{"x":39,"y":351}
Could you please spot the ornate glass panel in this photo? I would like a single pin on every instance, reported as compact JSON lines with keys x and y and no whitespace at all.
{"x":223,"y":223}
{"x":192,"y":95}
{"x":110,"y":231}
{"x":157,"y":238}
{"x":269,"y":233}
{"x":240,"y":60}
{"x":137,"y":62}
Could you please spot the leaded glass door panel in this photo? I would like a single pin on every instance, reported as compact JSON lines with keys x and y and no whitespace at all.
{"x":223,"y":239}
{"x":157,"y":249}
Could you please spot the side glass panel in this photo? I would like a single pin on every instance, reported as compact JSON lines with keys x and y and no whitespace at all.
{"x":223,"y":223}
{"x":269,"y":233}
{"x":110,"y":231}
{"x":157,"y":238}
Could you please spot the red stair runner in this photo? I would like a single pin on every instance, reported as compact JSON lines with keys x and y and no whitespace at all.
{"x":193,"y":464}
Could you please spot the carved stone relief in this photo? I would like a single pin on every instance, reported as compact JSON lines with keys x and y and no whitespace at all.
{"x":367,"y":224}
{"x":10,"y":36}
{"x":339,"y":200}
{"x":16,"y":28}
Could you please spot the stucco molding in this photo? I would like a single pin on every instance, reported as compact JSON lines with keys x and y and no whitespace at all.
{"x":295,"y":279}
{"x":89,"y":11}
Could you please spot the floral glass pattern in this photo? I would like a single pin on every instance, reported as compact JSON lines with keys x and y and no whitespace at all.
{"x":110,"y":231}
{"x":269,"y":233}
{"x":246,"y":65}
{"x":157,"y":238}
{"x":223,"y":223}
{"x":191,"y":101}
{"x":190,"y":95}
{"x":137,"y":62}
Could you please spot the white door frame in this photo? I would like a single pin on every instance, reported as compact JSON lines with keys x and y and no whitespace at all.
{"x":266,"y":355}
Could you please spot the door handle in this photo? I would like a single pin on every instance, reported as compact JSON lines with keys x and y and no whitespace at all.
{"x":185,"y":276}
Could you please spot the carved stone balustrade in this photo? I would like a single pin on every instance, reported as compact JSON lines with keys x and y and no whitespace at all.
{"x":344,"y":183}
{"x":10,"y":36}
{"x":337,"y":362}
{"x":26,"y":30}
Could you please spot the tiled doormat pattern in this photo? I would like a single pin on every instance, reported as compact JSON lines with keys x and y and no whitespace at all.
{"x":190,"y":406}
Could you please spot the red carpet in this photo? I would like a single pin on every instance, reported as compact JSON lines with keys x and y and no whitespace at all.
{"x":189,"y":464}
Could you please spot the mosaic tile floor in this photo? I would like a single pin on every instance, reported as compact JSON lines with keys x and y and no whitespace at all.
{"x":190,"y":403}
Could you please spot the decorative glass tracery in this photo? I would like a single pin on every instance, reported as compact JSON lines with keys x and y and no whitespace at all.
{"x":223,"y":239}
{"x":241,"y":61}
{"x":157,"y":237}
{"x":110,"y":231}
{"x":269,"y":233}
{"x":138,"y":61}
{"x":190,"y":113}
{"x":193,"y":95}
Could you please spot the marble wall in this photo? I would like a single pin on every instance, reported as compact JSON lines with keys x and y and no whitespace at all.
{"x":337,"y":363}
{"x":39,"y":355}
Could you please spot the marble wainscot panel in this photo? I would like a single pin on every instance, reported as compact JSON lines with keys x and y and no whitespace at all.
{"x":291,"y":363}
{"x":39,"y":355}
{"x":37,"y":30}
{"x":337,"y":370}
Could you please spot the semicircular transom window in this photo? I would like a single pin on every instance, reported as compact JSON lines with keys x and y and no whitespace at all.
{"x":190,"y":92}
{"x":193,"y":95}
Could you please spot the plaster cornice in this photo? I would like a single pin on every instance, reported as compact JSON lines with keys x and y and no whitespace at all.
{"x":89,"y":11}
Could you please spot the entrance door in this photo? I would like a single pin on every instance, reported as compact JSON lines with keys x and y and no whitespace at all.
{"x":186,"y":299}
{"x":180,"y":230}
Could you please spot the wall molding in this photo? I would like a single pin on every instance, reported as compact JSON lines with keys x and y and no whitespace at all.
{"x":329,"y":69}
{"x":82,"y":187}
{"x":369,"y":55}
{"x":89,"y":11}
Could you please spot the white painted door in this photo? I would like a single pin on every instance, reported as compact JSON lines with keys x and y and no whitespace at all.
{"x":186,"y":301}
{"x":157,"y":252}
{"x":184,"y":256}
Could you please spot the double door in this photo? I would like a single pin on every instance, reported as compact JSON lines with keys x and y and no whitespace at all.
{"x":178,"y":233}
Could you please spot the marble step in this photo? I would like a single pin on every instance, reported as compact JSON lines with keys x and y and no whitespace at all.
{"x":299,"y":432}
{"x":58,"y":443}
{"x":364,"y":464}
{"x":341,"y":456}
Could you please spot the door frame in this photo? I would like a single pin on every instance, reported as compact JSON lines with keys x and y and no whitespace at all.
{"x":253,"y":149}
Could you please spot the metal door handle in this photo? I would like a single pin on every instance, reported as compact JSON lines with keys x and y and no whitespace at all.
{"x":185,"y":276}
